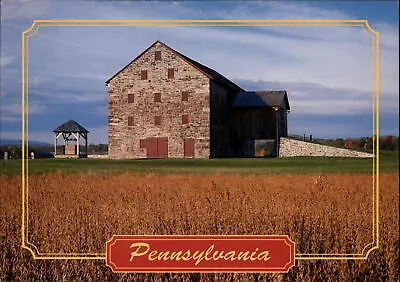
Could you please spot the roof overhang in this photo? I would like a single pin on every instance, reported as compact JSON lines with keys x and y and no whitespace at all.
{"x":255,"y":99}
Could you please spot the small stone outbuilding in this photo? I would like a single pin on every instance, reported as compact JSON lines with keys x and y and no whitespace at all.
{"x":163,"y":104}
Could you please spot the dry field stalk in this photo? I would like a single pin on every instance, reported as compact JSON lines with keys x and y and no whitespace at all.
{"x":78,"y":213}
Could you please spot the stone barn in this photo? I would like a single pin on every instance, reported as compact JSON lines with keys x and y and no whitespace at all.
{"x":163,"y":104}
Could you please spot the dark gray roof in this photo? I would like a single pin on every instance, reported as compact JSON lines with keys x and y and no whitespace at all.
{"x":262,"y":99}
{"x":71,"y":126}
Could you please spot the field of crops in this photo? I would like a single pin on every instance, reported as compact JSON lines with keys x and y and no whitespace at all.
{"x":322,"y":213}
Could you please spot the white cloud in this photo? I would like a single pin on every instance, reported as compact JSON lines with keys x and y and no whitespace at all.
{"x":71,"y":63}
{"x":292,"y":10}
{"x":6,"y":60}
{"x":36,"y":108}
{"x":332,"y":56}
{"x":53,"y":96}
{"x":12,"y":112}
{"x":10,"y":109}
{"x":332,"y":106}
{"x":28,"y":9}
{"x":319,"y":100}
{"x":7,"y":119}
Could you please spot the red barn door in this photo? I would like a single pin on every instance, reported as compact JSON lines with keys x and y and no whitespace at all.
{"x":157,"y":147}
{"x":151,"y":147}
{"x":188,"y":147}
{"x":162,"y":147}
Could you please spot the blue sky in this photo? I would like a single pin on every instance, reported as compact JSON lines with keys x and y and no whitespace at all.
{"x":326,"y":70}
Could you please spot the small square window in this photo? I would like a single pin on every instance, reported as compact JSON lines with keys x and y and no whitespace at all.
{"x":171,"y":73}
{"x":185,"y":119}
{"x":131,"y":98}
{"x":157,"y":97}
{"x":157,"y":55}
{"x":143,"y":75}
{"x":157,"y":120}
{"x":130,"y":121}
{"x":185,"y":95}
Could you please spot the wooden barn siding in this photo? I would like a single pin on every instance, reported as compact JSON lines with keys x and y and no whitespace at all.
{"x":283,"y":123}
{"x":259,"y":123}
{"x":124,"y":140}
{"x":254,"y":123}
{"x":220,"y":123}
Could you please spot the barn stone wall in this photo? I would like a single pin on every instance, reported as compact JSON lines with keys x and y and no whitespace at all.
{"x":125,"y":140}
{"x":295,"y":148}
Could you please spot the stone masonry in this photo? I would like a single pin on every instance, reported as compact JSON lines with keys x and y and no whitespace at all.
{"x":295,"y":148}
{"x":139,"y":101}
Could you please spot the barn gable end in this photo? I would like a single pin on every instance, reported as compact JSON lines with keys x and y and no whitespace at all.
{"x":146,"y":102}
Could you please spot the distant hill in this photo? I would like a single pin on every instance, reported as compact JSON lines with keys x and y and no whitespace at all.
{"x":18,"y":142}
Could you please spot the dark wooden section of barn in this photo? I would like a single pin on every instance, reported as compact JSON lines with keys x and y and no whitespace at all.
{"x":257,"y":116}
{"x":238,"y":119}
{"x":221,"y":107}
{"x":254,"y":124}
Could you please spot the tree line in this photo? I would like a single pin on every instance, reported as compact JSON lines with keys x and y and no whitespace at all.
{"x":15,"y":151}
{"x":388,"y":142}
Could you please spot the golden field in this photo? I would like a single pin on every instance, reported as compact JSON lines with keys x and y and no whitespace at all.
{"x":330,"y":213}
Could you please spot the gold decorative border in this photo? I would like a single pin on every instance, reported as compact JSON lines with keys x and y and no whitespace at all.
{"x":363,"y":24}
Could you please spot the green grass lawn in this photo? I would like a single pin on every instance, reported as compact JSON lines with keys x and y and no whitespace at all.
{"x":388,"y":163}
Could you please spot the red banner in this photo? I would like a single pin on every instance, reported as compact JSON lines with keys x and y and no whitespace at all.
{"x":203,"y":253}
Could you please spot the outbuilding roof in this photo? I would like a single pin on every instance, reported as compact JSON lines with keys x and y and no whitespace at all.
{"x":210,"y":73}
{"x":71,"y":126}
{"x":262,"y":99}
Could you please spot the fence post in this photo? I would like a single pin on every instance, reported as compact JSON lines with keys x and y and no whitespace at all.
{"x":5,"y":155}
